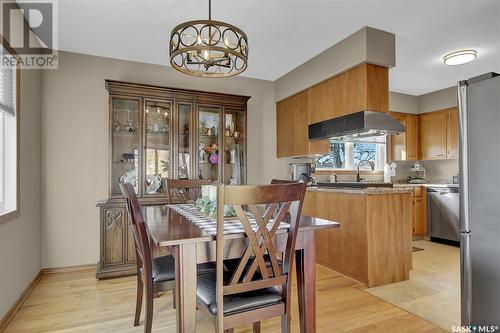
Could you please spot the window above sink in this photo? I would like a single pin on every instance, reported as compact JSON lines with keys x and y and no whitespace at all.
{"x":347,"y":155}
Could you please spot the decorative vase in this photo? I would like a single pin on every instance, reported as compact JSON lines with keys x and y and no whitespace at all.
{"x":214,"y":158}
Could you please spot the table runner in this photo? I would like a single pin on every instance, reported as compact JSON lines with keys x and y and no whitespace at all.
{"x":232,"y":225}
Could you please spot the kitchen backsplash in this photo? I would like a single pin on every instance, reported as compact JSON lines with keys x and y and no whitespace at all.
{"x":439,"y":171}
{"x":350,"y":177}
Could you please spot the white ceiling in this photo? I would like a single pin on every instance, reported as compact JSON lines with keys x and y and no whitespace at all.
{"x":285,"y":33}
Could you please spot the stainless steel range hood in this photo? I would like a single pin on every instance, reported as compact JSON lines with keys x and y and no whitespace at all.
{"x":359,"y":126}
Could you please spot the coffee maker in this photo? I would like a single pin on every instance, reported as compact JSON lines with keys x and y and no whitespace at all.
{"x":302,"y":171}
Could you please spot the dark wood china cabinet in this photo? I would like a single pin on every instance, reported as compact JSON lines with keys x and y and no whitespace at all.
{"x":158,"y":133}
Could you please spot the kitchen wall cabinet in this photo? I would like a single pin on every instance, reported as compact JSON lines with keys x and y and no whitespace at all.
{"x":291,"y":126}
{"x":292,"y":120}
{"x":433,"y":135}
{"x":365,"y":87}
{"x":439,"y":134}
{"x":404,"y":146}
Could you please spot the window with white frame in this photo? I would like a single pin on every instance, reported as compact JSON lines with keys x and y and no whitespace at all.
{"x":8,"y":137}
{"x":347,"y":156}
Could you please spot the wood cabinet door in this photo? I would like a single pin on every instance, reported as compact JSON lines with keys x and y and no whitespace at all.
{"x":398,"y":141}
{"x":433,"y":135}
{"x":418,"y":217}
{"x":365,"y":87}
{"x":411,"y":137}
{"x":452,"y":139}
{"x":292,"y":126}
{"x":113,"y":236}
{"x":404,"y":146}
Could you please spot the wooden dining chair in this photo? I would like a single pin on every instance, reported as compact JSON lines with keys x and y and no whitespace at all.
{"x":251,"y":292}
{"x":154,"y":275}
{"x":185,"y":190}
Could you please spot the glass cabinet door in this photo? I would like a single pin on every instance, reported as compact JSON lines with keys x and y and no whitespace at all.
{"x":208,"y":143}
{"x":125,"y":143}
{"x":184,"y":141}
{"x":234,"y":152}
{"x":158,"y":115}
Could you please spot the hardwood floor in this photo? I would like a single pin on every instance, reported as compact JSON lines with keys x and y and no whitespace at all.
{"x":77,"y":302}
{"x":433,"y":290}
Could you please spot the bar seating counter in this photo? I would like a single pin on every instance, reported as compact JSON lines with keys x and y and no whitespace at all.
{"x":374,"y":244}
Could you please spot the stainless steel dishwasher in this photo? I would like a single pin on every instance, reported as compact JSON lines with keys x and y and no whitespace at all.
{"x":443,"y":213}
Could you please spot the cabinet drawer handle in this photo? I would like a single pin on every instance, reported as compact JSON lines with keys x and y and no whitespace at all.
{"x":440,"y":155}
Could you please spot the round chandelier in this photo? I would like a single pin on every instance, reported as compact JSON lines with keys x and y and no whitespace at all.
{"x":208,"y":48}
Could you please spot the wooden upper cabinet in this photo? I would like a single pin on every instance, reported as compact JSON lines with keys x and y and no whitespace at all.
{"x":452,"y":139}
{"x":404,"y":146}
{"x":412,"y":137}
{"x":291,"y":126}
{"x":439,"y":134}
{"x":433,"y":135}
{"x":365,"y":87}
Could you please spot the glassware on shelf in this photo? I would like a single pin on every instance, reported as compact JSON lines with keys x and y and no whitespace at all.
{"x":125,"y":143}
{"x":184,"y":140}
{"x":208,"y":149}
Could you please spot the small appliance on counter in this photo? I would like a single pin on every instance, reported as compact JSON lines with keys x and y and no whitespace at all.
{"x":301,"y":171}
{"x":419,"y":177}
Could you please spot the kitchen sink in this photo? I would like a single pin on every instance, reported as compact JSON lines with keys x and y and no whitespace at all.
{"x":354,"y":185}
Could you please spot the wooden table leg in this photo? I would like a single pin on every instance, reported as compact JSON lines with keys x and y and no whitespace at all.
{"x":306,"y":283}
{"x":185,"y":287}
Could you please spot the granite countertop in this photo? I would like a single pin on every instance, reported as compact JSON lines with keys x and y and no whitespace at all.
{"x":408,"y":185}
{"x":368,"y":190}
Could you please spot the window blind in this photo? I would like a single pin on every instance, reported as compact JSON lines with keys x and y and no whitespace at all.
{"x":7,"y":86}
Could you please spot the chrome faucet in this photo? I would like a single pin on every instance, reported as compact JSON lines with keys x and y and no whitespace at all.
{"x":372,"y":165}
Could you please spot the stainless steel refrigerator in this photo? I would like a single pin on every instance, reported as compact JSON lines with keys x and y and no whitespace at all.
{"x":479,"y":124}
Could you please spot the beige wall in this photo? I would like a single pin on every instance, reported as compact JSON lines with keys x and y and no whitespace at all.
{"x":399,"y":102}
{"x":76,"y":144}
{"x":367,"y":45}
{"x":20,"y":238}
{"x":436,"y":100}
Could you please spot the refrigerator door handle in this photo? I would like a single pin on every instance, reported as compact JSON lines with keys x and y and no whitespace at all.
{"x":465,"y":225}
{"x":465,"y":279}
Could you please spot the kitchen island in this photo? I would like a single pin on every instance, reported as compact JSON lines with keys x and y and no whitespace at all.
{"x":373,"y":244}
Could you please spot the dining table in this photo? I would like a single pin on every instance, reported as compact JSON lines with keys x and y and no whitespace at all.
{"x":191,"y":244}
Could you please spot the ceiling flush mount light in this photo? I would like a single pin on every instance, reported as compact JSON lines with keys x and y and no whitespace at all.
{"x":460,"y":57}
{"x":208,"y":48}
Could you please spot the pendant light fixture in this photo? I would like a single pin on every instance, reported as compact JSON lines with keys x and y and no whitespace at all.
{"x":208,"y":48}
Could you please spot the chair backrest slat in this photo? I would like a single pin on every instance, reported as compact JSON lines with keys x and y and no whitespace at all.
{"x":280,"y":200}
{"x":185,"y":190}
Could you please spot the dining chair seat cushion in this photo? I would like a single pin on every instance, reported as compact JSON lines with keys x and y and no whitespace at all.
{"x":164,"y":268}
{"x":235,"y":303}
